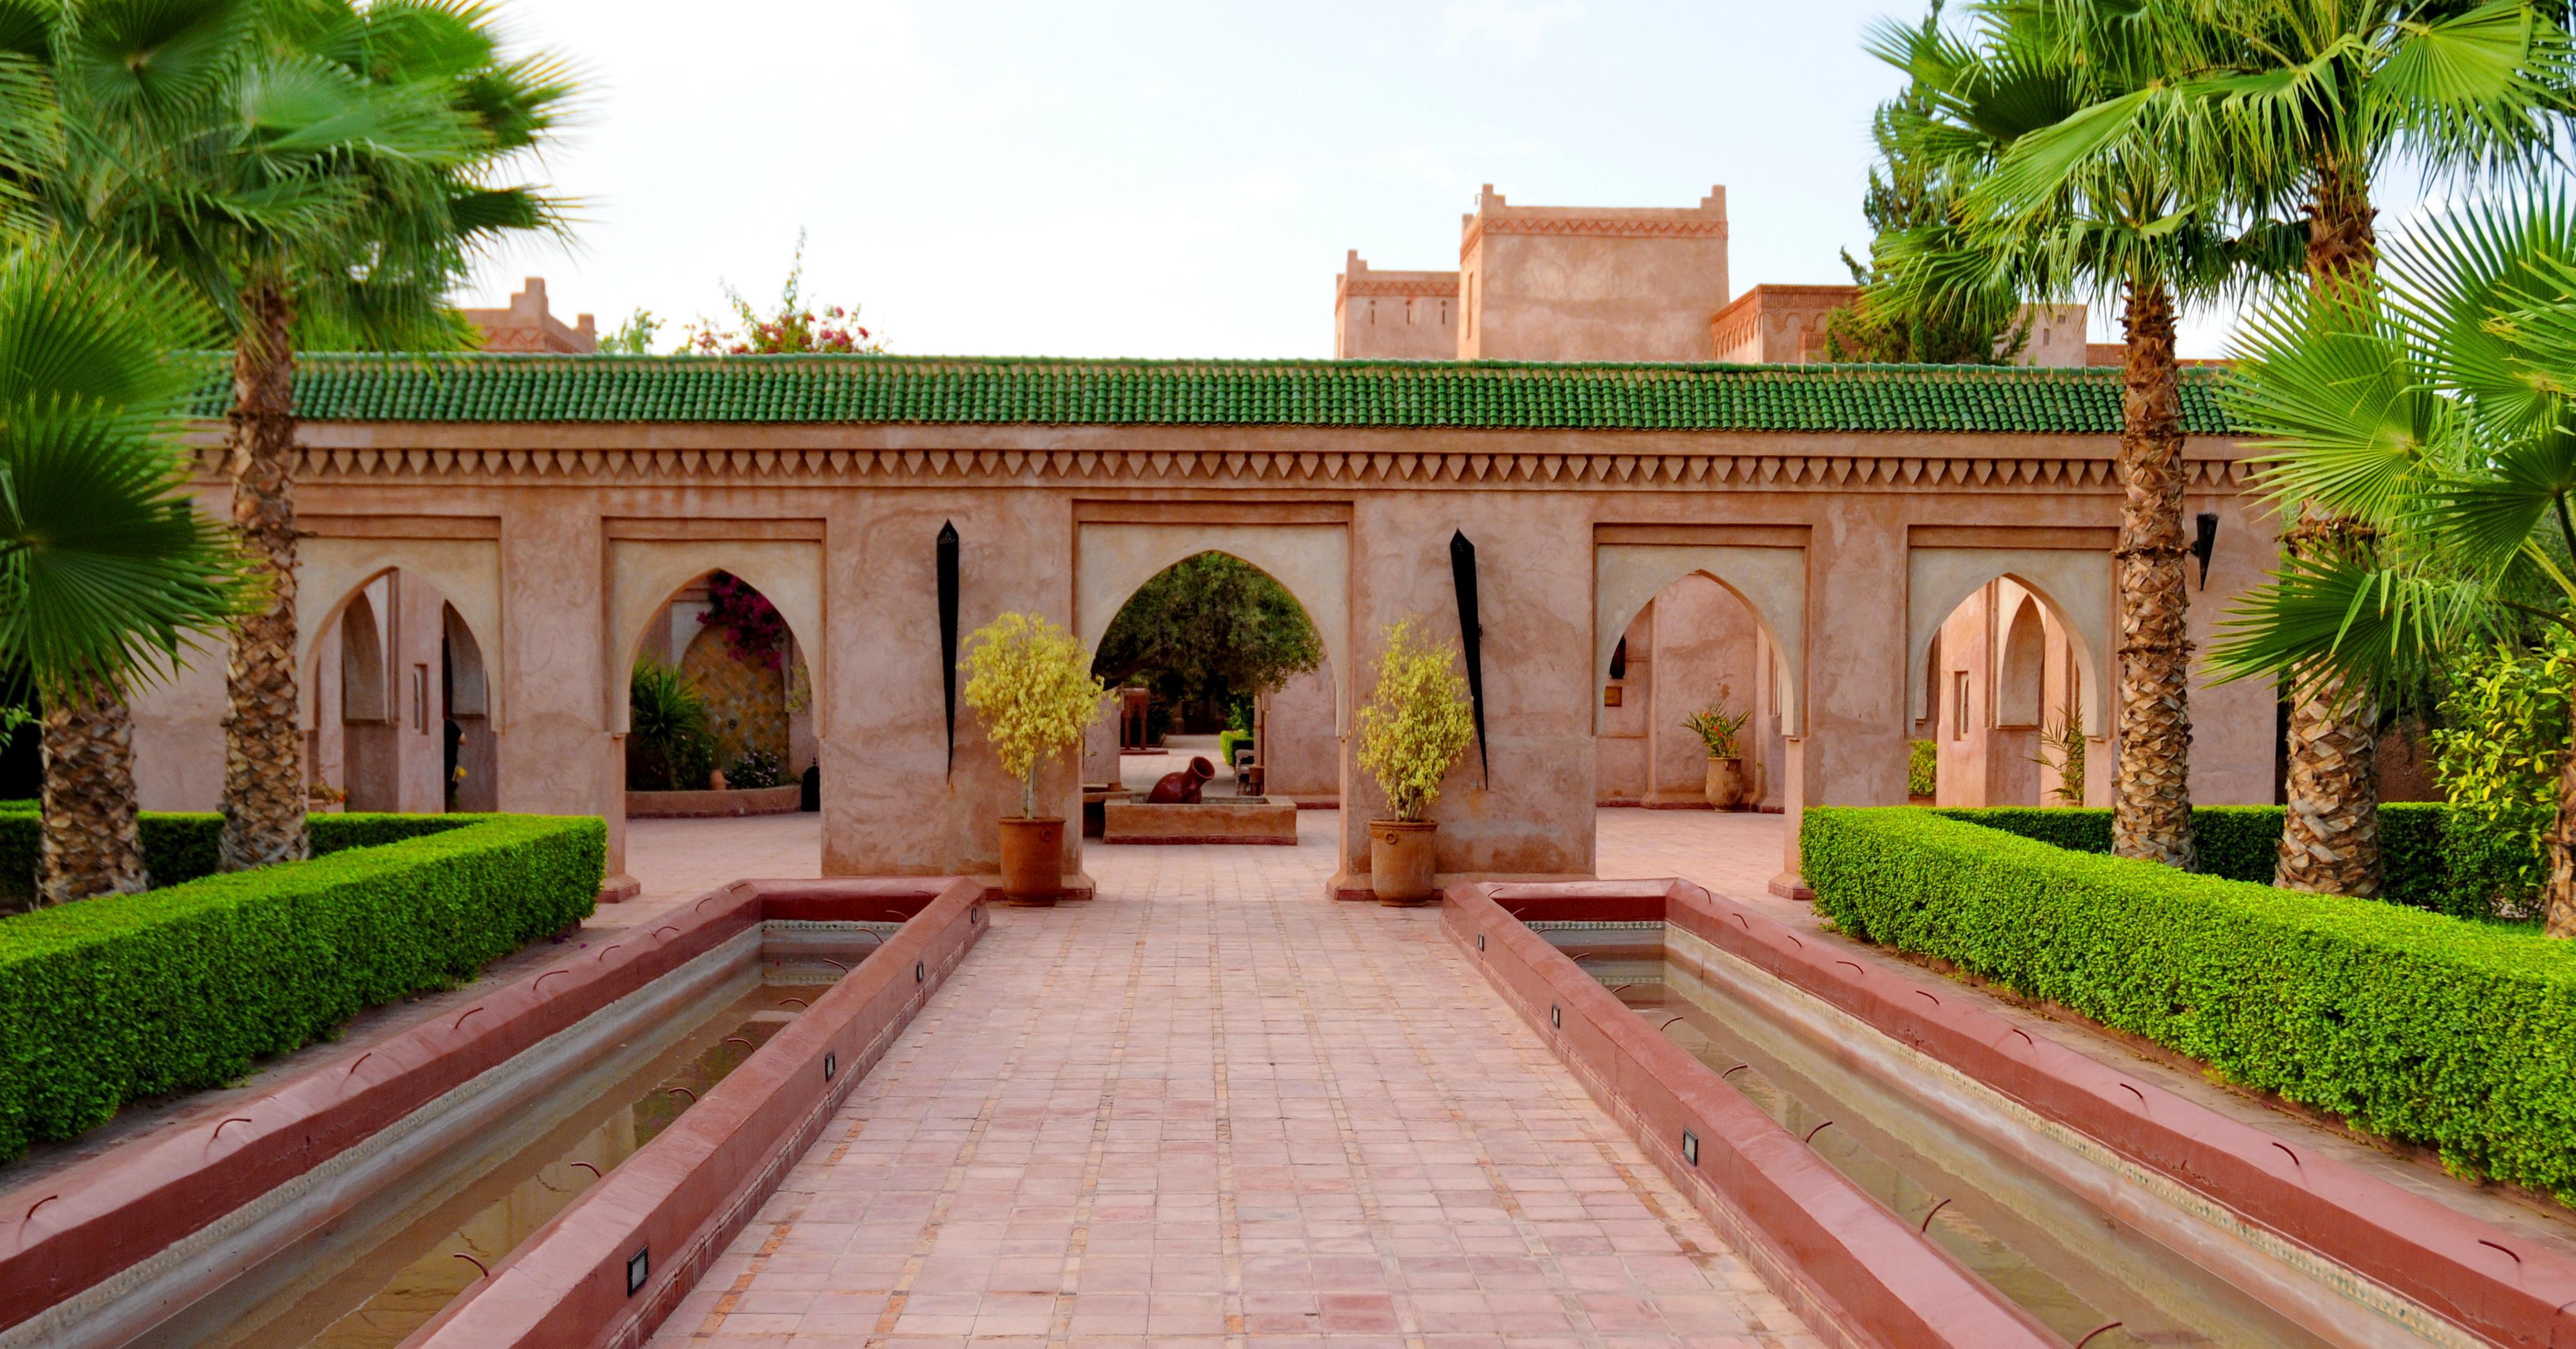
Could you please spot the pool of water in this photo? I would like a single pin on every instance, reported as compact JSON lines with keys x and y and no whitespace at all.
{"x":2087,"y":1273}
{"x":398,"y":1257}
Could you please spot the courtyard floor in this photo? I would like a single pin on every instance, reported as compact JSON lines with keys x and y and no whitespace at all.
{"x":1209,"y":1107}
{"x":1213,"y":1106}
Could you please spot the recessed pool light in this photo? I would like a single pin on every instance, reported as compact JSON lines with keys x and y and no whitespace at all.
{"x":639,"y":1267}
{"x":1480,"y":941}
{"x":1690,"y":1147}
{"x":920,"y":972}
{"x":1556,"y":1016}
{"x":831,"y":1065}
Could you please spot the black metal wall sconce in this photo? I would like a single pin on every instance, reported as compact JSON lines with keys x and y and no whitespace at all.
{"x":947,"y":559}
{"x":1471,"y":641}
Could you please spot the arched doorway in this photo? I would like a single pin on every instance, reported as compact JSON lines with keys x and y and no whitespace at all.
{"x":473,"y":756}
{"x":720,"y":645}
{"x":1214,"y":655}
{"x":1696,"y":645}
{"x":2005,"y":704}
{"x":398,"y":701}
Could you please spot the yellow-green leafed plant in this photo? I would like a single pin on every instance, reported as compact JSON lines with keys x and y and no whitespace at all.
{"x":1417,"y":723}
{"x":1028,"y":681}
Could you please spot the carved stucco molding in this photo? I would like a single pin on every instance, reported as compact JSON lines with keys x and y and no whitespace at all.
{"x":1589,"y":227}
{"x":1588,"y":471}
{"x":1444,"y":287}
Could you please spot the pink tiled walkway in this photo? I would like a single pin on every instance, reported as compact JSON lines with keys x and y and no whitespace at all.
{"x":1213,"y":1107}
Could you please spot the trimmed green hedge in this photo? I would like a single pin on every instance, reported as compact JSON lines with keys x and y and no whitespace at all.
{"x":108,"y":1001}
{"x":2431,"y":856}
{"x":179,"y":847}
{"x":2412,"y":1025}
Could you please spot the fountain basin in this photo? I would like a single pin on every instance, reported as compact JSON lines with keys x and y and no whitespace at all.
{"x":2350,"y":1257}
{"x":109,"y":1247}
{"x":1248,"y":819}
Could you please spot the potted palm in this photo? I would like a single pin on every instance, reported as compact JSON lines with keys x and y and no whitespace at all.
{"x":1718,"y":728}
{"x":1028,"y":681}
{"x":1413,"y":728}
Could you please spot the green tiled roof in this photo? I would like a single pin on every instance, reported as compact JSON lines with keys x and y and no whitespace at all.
{"x":1007,"y":390}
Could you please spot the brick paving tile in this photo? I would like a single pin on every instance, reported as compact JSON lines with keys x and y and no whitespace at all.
{"x":1211,"y":1108}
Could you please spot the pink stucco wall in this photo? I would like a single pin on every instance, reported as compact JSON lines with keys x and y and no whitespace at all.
{"x":546,"y":503}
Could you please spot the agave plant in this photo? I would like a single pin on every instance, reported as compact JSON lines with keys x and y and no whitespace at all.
{"x":667,"y":720}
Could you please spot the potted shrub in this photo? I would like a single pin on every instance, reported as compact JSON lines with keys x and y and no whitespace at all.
{"x":1029,"y":682}
{"x":1718,"y":728}
{"x":1415,"y":725}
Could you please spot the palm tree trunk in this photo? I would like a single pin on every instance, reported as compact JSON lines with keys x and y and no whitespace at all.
{"x":2560,"y":919}
{"x":264,"y":795}
{"x":2330,"y":829}
{"x":91,"y":844}
{"x":2151,"y":814}
{"x":2343,"y":240}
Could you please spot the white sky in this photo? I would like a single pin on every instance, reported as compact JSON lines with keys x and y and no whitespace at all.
{"x":1134,"y":177}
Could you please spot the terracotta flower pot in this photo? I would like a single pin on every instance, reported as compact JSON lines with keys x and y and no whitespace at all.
{"x":1402,"y":858}
{"x":1033,"y":860}
{"x":1725,"y":787}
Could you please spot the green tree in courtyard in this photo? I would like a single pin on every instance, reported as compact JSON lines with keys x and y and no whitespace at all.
{"x":322,"y":172}
{"x":1914,"y":195}
{"x":105,"y":565}
{"x":2318,"y":99}
{"x":1215,"y":625}
{"x":2058,"y":208}
{"x":2432,"y":409}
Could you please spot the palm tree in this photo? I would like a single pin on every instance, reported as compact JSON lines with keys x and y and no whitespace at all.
{"x":105,"y":565}
{"x":2431,"y":409}
{"x":320,"y":171}
{"x":2090,"y":177}
{"x":2319,"y":98}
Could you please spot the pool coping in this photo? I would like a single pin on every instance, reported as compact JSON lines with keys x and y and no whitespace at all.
{"x":1849,"y":1267}
{"x":684,"y":1196}
{"x":75,"y":1229}
{"x":2486,"y":1280}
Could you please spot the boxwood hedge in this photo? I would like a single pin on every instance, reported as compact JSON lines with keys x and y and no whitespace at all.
{"x":2412,"y":1025}
{"x":107,"y":1001}
{"x":181,"y":846}
{"x":2428,"y":858}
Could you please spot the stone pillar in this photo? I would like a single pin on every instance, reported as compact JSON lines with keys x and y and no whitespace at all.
{"x":891,"y":803}
{"x":1534,"y":561}
{"x":1855,"y":678}
{"x":555,"y":664}
{"x":2234,"y":767}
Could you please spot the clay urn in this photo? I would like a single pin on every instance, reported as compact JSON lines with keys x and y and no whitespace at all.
{"x":1725,"y":787}
{"x":1032,"y":860}
{"x":1402,"y":854}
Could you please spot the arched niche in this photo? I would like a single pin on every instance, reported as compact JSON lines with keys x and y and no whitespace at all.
{"x":469,"y":680}
{"x":2075,"y":583}
{"x":329,"y":572}
{"x":1112,"y":561}
{"x":2021,"y":671}
{"x":365,"y":696}
{"x":645,"y":573}
{"x":1772,"y":582}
